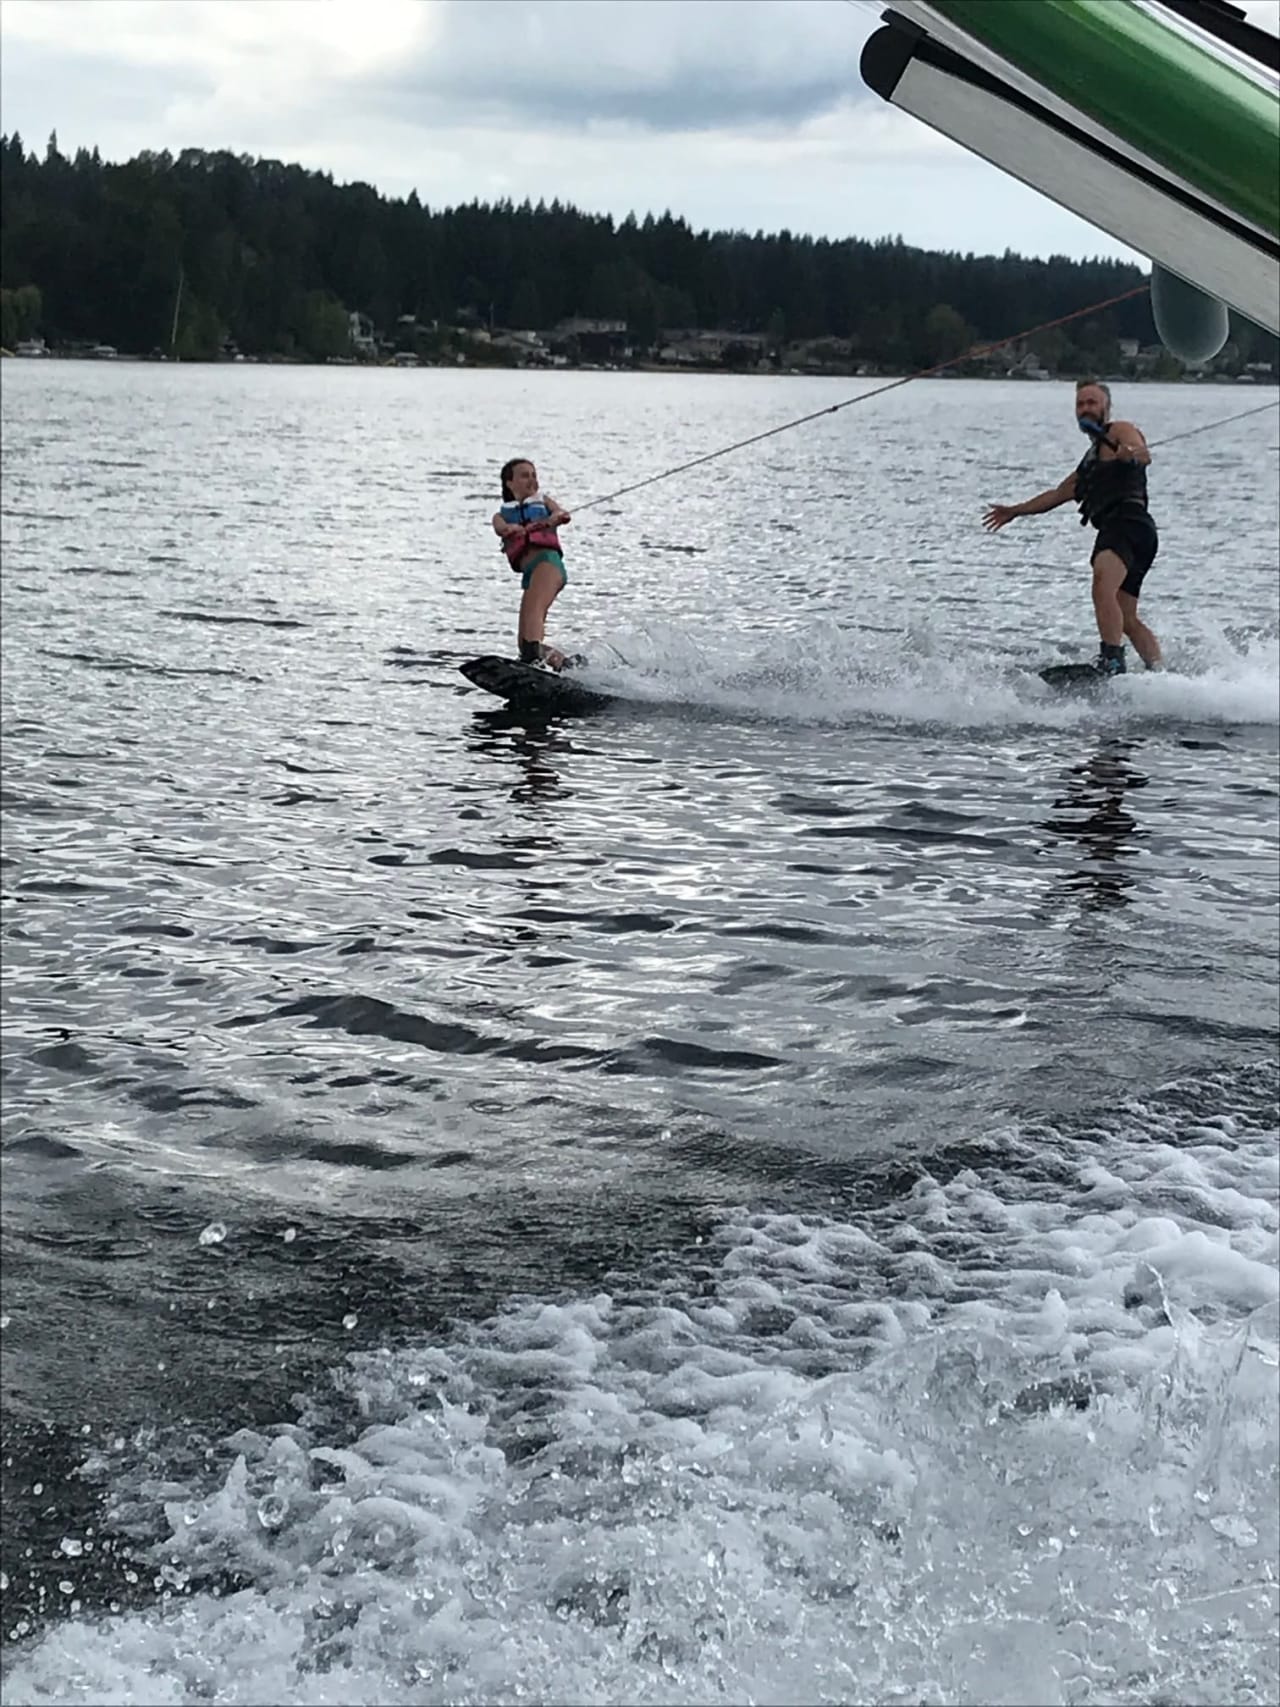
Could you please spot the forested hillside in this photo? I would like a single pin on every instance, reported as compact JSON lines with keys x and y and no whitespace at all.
{"x":276,"y":258}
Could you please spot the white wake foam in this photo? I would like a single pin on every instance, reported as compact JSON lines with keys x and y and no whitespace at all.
{"x":839,"y":676}
{"x":1012,"y":1439}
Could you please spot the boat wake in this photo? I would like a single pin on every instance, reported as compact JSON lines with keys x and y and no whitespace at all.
{"x":840,"y":676}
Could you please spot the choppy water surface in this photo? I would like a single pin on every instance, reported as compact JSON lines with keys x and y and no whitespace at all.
{"x":767,"y":1193}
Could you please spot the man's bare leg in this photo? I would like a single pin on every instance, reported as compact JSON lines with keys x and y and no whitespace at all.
{"x":1144,"y":641}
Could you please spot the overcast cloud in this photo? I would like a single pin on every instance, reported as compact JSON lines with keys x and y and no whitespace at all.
{"x":735,"y":113}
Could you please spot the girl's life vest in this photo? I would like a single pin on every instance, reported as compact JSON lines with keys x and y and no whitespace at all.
{"x":531,"y":515}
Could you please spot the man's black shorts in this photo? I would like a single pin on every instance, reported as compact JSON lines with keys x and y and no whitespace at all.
{"x":1135,"y":542}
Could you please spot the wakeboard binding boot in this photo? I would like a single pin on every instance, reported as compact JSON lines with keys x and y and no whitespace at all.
{"x":542,"y":656}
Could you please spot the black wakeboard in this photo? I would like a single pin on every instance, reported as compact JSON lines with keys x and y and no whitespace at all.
{"x":1074,"y":678}
{"x":527,"y":688}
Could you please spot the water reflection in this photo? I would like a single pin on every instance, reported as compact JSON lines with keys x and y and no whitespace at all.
{"x":1092,"y":812}
{"x":532,"y":741}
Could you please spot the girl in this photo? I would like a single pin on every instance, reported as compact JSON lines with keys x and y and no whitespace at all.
{"x":526,"y":524}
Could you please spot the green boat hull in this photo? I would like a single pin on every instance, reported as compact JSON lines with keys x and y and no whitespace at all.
{"x":1155,"y":89}
{"x":1120,"y":118}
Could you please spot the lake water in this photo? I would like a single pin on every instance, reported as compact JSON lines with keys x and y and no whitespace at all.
{"x":767,"y":1193}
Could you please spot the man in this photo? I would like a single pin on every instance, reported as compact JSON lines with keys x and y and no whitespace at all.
{"x":1110,"y":486}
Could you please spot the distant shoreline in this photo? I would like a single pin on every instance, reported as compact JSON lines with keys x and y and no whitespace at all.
{"x":668,"y":369}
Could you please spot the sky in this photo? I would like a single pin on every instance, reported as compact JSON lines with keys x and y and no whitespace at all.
{"x":740,"y":114}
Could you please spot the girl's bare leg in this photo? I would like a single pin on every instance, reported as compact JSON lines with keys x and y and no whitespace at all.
{"x":539,"y":596}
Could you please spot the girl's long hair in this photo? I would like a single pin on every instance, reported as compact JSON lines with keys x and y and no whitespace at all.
{"x":508,"y":469}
